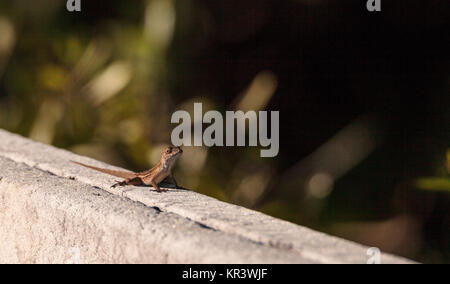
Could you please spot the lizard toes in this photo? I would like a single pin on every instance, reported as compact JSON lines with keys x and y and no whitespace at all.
{"x":116,"y":184}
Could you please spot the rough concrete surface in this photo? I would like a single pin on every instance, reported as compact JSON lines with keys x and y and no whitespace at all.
{"x":53,"y":211}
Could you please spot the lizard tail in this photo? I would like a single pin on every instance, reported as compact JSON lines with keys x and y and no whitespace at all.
{"x":121,"y":174}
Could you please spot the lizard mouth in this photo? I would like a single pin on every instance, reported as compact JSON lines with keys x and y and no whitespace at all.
{"x":178,"y":153}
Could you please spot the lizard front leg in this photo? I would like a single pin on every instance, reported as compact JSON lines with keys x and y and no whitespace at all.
{"x":152,"y":179}
{"x":170,"y":180}
{"x":156,"y":187}
{"x":173,"y":179}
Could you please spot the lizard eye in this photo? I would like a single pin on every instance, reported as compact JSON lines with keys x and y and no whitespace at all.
{"x":168,"y":150}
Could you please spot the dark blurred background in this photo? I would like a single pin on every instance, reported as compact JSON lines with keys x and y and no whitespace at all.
{"x":363,"y":98}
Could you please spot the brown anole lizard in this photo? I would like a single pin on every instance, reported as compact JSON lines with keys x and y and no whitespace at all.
{"x":153,"y":176}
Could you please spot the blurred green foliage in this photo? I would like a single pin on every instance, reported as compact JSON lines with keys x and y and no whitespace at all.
{"x":104,"y":83}
{"x":432,"y":183}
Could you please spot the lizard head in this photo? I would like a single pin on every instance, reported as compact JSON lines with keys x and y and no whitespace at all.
{"x":171,"y":154}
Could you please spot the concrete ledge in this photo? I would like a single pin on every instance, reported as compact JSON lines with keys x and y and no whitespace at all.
{"x":52,"y":211}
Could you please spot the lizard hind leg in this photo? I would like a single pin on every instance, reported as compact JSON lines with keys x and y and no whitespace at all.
{"x":118,"y":183}
{"x":128,"y":181}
